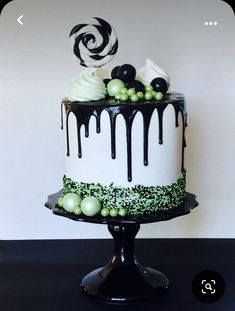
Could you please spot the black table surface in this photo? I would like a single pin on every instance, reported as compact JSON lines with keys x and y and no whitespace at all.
{"x":45,"y":275}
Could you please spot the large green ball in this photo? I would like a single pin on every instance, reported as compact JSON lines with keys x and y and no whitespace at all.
{"x":71,"y":201}
{"x":60,"y":201}
{"x":115,"y":86}
{"x":90,"y":206}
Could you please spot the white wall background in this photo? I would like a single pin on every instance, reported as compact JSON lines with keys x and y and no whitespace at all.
{"x":36,"y":65}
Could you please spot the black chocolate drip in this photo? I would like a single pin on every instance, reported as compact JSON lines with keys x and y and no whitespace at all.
{"x":146,"y":117}
{"x":113,"y":134}
{"x":67,"y":133}
{"x":84,"y":111}
{"x":160,"y":110}
{"x":61,"y":113}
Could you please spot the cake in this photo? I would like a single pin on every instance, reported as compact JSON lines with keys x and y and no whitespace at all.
{"x":125,"y":135}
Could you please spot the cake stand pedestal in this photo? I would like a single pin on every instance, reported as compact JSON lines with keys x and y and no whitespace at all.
{"x":124,"y":279}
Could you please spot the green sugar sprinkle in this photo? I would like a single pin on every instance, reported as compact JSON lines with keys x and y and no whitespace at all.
{"x":138,"y":200}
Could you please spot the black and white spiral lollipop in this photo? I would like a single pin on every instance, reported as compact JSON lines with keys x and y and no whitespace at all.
{"x":94,"y":42}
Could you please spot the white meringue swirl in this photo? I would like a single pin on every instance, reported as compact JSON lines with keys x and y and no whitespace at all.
{"x":87,"y":86}
{"x":150,"y":71}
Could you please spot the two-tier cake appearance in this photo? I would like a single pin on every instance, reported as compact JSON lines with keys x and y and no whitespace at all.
{"x":125,"y":134}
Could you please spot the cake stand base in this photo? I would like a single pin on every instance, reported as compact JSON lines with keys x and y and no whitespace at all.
{"x":124,"y":279}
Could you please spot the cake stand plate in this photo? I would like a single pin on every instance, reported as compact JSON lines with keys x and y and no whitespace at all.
{"x":124,"y":279}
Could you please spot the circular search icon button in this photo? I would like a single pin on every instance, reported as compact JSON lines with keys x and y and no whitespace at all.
{"x":208,"y":286}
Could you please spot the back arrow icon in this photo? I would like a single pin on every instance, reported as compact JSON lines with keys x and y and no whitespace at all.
{"x":19,"y":20}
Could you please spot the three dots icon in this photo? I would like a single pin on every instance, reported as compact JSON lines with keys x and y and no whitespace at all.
{"x":210,"y":23}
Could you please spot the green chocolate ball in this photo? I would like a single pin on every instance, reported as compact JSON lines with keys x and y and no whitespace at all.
{"x":159,"y":96}
{"x":148,"y":96}
{"x":104,"y":212}
{"x":124,"y":97}
{"x":118,"y":96}
{"x":71,"y":201}
{"x":124,"y":91}
{"x":148,"y":88}
{"x":131,"y":92}
{"x":115,"y":86}
{"x":60,"y":201}
{"x":90,"y":206}
{"x":140,"y":95}
{"x":77,"y":210}
{"x":122,"y":212}
{"x":113,"y":212}
{"x":134,"y":98}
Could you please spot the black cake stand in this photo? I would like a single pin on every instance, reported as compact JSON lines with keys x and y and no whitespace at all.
{"x":124,"y":279}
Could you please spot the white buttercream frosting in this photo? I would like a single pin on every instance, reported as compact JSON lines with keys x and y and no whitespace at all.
{"x":150,"y":71}
{"x":87,"y":86}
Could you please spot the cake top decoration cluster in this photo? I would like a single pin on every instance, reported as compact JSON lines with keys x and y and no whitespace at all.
{"x":94,"y":42}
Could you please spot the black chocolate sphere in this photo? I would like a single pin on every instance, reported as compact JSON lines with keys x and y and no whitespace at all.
{"x":114,"y":72}
{"x":126,"y":73}
{"x":159,"y":85}
{"x":137,"y":85}
{"x":106,"y":81}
